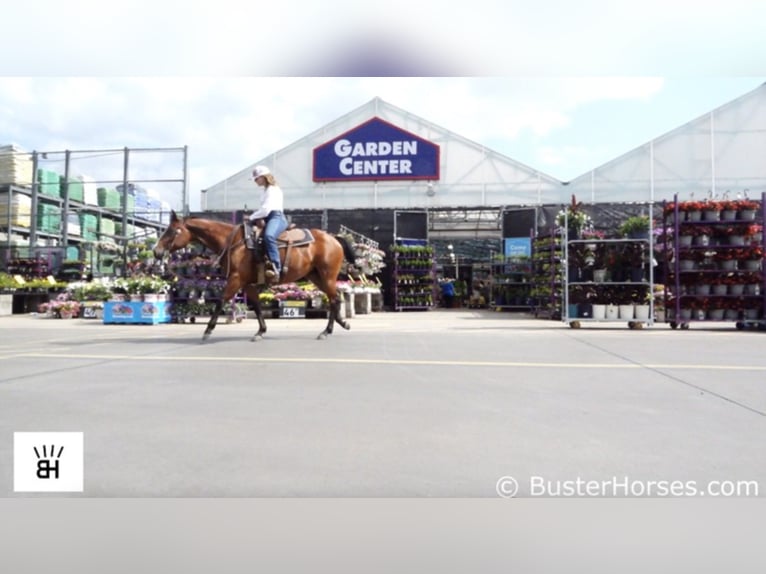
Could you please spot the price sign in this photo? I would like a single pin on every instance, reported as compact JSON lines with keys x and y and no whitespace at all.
{"x":292,"y":309}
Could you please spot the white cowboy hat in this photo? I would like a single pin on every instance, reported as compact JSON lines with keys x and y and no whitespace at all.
{"x":261,"y":170}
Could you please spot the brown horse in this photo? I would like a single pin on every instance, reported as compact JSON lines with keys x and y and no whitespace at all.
{"x":319,"y":261}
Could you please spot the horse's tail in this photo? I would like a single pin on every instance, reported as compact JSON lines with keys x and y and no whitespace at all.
{"x":347,"y":251}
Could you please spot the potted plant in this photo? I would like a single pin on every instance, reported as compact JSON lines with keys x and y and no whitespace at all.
{"x":747,"y":208}
{"x":635,"y":227}
{"x":575,"y":219}
{"x":62,"y":307}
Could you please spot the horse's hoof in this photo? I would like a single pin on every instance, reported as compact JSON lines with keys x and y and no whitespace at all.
{"x":205,"y":336}
{"x":256,"y":337}
{"x":322,"y":336}
{"x":346,"y":326}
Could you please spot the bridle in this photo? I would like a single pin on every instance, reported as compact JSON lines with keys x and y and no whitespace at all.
{"x":228,"y":246}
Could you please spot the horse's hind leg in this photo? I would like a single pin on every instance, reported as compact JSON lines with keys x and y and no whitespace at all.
{"x":329,"y":288}
{"x":338,"y":318}
{"x":252,"y":294}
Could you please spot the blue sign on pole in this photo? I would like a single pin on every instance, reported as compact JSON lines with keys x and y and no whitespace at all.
{"x":376,"y":150}
{"x":518,"y":247}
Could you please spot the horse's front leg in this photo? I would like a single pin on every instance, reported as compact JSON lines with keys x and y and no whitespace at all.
{"x":232,"y":286}
{"x":253,"y":293}
{"x":213,"y":319}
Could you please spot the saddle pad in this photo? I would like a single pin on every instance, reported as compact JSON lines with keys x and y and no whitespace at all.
{"x":296,"y":237}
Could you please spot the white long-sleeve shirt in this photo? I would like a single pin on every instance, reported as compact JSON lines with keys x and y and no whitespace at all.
{"x":271,"y":200}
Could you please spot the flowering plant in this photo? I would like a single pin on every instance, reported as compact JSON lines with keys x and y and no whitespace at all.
{"x":95,"y":290}
{"x":691,"y":205}
{"x":303,"y":291}
{"x":732,"y":229}
{"x":140,"y":284}
{"x":746,"y":204}
{"x":368,"y":259}
{"x":575,"y":219}
{"x":695,"y":230}
{"x":593,"y":234}
{"x":712,"y":205}
{"x":61,"y":305}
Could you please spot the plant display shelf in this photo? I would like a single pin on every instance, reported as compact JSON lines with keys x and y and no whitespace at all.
{"x":545,"y":292}
{"x":714,"y":277}
{"x":41,"y":226}
{"x":511,"y":283}
{"x":414,"y":275}
{"x":625,"y":300}
{"x":187,"y":305}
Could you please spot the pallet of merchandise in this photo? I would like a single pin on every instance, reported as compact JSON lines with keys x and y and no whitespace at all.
{"x":107,"y":228}
{"x":108,"y":197}
{"x":48,"y":218}
{"x":15,"y":166}
{"x":19,"y":210}
{"x":73,"y":224}
{"x":72,"y":253}
{"x":74,"y":187}
{"x":89,"y":226}
{"x":49,"y":182}
{"x":12,"y":239}
{"x":89,"y":190}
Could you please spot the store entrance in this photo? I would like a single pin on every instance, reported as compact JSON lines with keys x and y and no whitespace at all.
{"x":471,"y":248}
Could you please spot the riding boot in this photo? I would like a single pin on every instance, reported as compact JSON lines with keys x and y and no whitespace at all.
{"x":271,"y":273}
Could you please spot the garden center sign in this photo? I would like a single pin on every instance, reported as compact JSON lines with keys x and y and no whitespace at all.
{"x":376,"y":150}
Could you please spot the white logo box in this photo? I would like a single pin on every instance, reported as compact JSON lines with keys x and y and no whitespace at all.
{"x":48,"y":462}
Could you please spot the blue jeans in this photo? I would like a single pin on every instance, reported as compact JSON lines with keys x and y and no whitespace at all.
{"x":276,"y":223}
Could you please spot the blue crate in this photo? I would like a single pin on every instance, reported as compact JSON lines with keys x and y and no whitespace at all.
{"x":138,"y":312}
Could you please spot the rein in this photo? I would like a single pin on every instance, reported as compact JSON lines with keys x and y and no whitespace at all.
{"x":228,"y":247}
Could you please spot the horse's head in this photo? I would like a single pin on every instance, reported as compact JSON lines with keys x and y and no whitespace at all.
{"x":176,"y":236}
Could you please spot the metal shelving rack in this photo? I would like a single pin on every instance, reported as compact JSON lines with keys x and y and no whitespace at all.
{"x":680,"y":293}
{"x":646,"y":281}
{"x":414,"y":283}
{"x":549,"y":306}
{"x":64,"y":238}
{"x":508,"y":276}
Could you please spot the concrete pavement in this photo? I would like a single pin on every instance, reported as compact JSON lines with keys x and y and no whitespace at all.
{"x":445,"y":403}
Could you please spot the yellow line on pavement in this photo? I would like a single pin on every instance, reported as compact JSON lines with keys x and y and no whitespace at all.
{"x":414,"y":362}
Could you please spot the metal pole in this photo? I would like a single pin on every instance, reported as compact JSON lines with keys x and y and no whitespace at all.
{"x":651,"y":173}
{"x":65,"y":204}
{"x":125,"y":212}
{"x":712,"y":152}
{"x":185,"y":182}
{"x":35,"y":191}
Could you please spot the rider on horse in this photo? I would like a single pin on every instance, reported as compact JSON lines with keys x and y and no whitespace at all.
{"x":271,"y":210}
